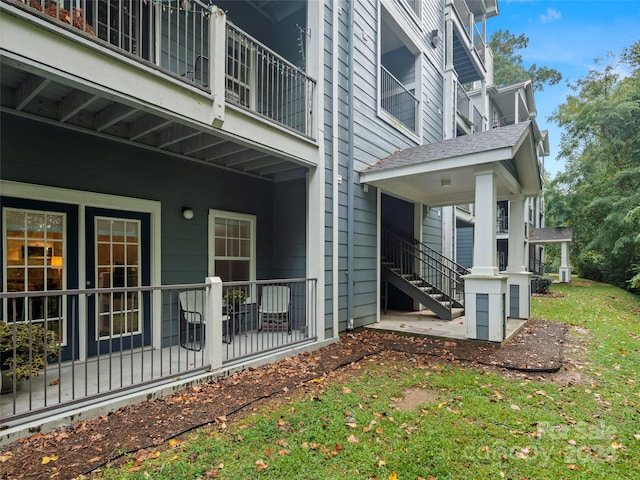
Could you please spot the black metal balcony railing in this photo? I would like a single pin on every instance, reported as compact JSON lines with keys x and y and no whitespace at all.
{"x":259,"y":79}
{"x":463,"y":101}
{"x":172,"y":334}
{"x":479,"y":43}
{"x":474,"y":35}
{"x":502,"y":221}
{"x":470,"y":113}
{"x":478,"y":120}
{"x":398,"y":101}
{"x":174,"y":37}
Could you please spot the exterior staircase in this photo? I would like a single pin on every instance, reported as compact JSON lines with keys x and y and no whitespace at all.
{"x":423,"y":274}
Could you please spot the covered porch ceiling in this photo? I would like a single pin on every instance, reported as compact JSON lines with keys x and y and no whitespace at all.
{"x":443,"y":173}
{"x":39,"y":94}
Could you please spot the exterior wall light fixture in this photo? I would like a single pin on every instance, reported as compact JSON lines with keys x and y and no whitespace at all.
{"x":435,"y":38}
{"x":187,"y":213}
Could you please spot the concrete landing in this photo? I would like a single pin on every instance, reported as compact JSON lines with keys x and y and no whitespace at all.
{"x":425,"y":322}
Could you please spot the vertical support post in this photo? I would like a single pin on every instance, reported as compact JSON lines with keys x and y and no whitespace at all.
{"x":565,"y":270}
{"x":213,"y":323}
{"x":218,"y":64}
{"x":519,"y":282}
{"x":484,"y":242}
{"x":485,"y":289}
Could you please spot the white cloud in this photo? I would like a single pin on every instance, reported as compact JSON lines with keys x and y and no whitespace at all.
{"x":550,"y":15}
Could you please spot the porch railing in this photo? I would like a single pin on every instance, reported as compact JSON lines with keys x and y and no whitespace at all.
{"x":175,"y":39}
{"x":262,"y":81}
{"x":468,"y":24}
{"x":502,"y":220}
{"x":398,"y":101}
{"x":269,"y":316}
{"x":479,"y":43}
{"x":115,"y":341}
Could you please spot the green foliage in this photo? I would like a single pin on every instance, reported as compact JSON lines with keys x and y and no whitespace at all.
{"x":634,"y":282}
{"x":26,"y":347}
{"x":508,"y":66}
{"x":542,"y":283}
{"x":591,"y":265}
{"x":598,"y":193}
{"x":235,"y":296}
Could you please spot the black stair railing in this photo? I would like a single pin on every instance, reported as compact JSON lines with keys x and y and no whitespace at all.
{"x":415,"y":260}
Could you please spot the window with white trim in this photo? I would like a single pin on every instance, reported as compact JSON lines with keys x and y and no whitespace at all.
{"x":232,"y":246}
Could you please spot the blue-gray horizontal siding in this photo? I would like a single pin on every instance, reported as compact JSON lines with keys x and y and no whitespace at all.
{"x":464,"y":246}
{"x":432,"y":228}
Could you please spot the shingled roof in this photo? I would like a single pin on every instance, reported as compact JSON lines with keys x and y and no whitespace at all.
{"x":444,"y":173}
{"x":551,"y":235}
{"x":495,"y":139}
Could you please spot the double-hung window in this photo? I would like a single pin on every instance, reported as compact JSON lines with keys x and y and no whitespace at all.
{"x":232,"y":246}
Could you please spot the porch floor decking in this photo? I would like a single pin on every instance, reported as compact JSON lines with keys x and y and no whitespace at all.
{"x":65,"y":386}
{"x":425,"y":322}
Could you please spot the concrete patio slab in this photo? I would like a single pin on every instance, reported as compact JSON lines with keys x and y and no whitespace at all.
{"x":425,"y":322}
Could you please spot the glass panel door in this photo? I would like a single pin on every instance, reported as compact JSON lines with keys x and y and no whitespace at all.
{"x":39,"y":254}
{"x":34,"y":246}
{"x":118,"y":265}
{"x":118,"y":257}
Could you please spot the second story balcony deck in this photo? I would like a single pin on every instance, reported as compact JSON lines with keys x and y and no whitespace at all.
{"x":468,"y":43}
{"x":174,"y":75}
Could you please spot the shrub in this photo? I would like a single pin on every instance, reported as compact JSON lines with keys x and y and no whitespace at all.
{"x":32,"y":346}
{"x":591,"y":265}
{"x":540,"y":284}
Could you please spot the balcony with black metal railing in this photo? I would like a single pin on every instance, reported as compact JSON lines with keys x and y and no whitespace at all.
{"x":188,"y":43}
{"x":469,"y":43}
{"x":398,"y":101}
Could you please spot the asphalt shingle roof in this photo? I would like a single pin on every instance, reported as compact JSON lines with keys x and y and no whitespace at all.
{"x":497,"y":138}
{"x":550,"y":234}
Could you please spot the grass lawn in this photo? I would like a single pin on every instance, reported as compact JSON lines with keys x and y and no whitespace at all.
{"x":393,"y":417}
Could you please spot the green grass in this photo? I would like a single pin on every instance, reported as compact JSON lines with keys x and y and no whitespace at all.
{"x":474,"y":424}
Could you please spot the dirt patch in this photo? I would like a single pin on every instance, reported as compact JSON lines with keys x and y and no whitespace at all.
{"x":414,"y":397}
{"x":79,"y":448}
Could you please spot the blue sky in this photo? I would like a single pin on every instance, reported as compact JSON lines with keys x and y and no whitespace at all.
{"x":566,"y":35}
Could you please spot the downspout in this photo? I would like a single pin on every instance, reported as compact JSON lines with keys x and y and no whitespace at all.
{"x":335,"y":105}
{"x":350,"y":166}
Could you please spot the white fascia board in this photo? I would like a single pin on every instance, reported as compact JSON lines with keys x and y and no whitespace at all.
{"x":263,"y":135}
{"x":526,"y":159}
{"x":550,"y":242}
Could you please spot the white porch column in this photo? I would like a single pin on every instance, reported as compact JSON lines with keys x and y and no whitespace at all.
{"x":485,"y":288}
{"x":519,"y":282}
{"x":216,"y":73}
{"x":213,"y":323}
{"x":484,"y":243}
{"x":565,"y":270}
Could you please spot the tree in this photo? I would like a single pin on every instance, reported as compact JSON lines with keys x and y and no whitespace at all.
{"x":598,"y":193}
{"x":508,"y":67}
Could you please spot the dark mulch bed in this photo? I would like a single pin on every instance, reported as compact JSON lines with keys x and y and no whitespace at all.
{"x":88,"y":444}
